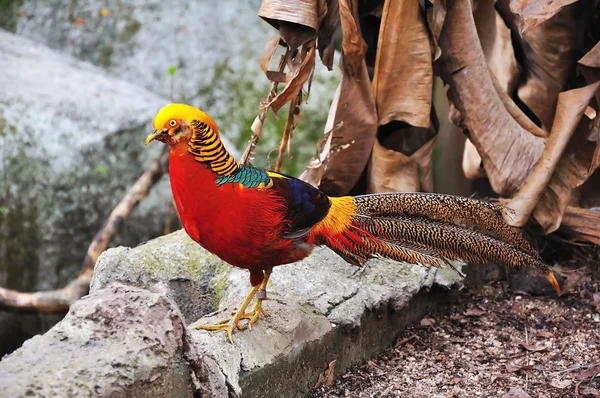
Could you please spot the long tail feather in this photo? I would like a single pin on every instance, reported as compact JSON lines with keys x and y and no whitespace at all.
{"x":470,"y":213}
{"x":428,"y":229}
{"x":450,"y":240}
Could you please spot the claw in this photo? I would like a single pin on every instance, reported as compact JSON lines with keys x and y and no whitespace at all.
{"x":253,"y":315}
{"x":230,"y":324}
{"x":227,"y":325}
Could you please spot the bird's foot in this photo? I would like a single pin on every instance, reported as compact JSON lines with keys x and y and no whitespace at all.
{"x":256,"y":311}
{"x":253,"y":314}
{"x":228,"y":325}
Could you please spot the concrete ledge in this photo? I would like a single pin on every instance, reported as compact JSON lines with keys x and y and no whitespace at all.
{"x":294,"y":373}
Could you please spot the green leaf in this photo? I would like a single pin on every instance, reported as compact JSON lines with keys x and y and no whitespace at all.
{"x":172,"y":70}
{"x":3,"y":209}
{"x":101,"y":169}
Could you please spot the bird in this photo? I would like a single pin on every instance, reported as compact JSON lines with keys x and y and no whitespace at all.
{"x":257,"y":219}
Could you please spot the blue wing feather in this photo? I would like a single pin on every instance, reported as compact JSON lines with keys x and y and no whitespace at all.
{"x":306,"y":205}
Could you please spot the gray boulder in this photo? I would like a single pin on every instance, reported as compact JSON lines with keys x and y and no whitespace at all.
{"x":123,"y":341}
{"x":139,"y":41}
{"x":71,"y":134}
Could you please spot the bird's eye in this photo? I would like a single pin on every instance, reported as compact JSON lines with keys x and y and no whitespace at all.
{"x":172,"y":123}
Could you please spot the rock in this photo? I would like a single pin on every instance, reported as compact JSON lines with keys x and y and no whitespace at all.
{"x":138,"y":41}
{"x":322,"y":309}
{"x":82,"y":132}
{"x":194,"y":278}
{"x":122,"y":341}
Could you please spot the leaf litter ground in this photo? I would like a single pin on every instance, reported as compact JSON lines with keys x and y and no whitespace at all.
{"x":491,"y":343}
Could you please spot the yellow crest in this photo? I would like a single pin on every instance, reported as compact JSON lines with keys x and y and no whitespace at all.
{"x":182,"y":112}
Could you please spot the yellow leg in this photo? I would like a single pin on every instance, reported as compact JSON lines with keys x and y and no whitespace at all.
{"x":261,"y":295}
{"x":230,"y":324}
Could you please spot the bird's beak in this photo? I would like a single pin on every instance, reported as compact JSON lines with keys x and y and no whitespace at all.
{"x":153,"y":136}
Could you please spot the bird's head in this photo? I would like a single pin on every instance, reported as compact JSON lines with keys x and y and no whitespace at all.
{"x":175,"y":123}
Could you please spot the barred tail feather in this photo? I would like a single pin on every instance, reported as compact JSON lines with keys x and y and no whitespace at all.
{"x":470,"y":213}
{"x":429,"y":229}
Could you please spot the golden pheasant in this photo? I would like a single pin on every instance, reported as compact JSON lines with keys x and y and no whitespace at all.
{"x":257,"y":219}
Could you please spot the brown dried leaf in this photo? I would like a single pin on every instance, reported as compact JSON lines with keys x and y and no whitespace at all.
{"x":435,"y":18}
{"x":405,"y":340}
{"x":550,"y":202}
{"x":401,"y":159}
{"x":423,"y":157}
{"x":475,"y":312}
{"x":534,"y":12}
{"x":511,"y":368}
{"x":549,"y":54}
{"x":534,"y":347}
{"x":392,"y":171}
{"x":576,"y":164}
{"x":508,"y":156}
{"x":317,"y":166}
{"x":297,"y":21}
{"x":582,"y":224}
{"x":516,"y":112}
{"x":297,"y":76}
{"x":326,"y":378}
{"x":545,"y":335}
{"x":427,"y":322}
{"x":592,"y":58}
{"x":302,"y":12}
{"x":471,"y":163}
{"x":589,"y":65}
{"x":435,"y":22}
{"x":496,"y":42}
{"x":343,"y":154}
{"x":592,"y":371}
{"x":403,"y":73}
{"x":353,"y":45}
{"x":326,"y":35}
{"x":268,"y":53}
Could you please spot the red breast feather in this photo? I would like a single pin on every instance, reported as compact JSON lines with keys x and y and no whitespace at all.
{"x":242,"y":226}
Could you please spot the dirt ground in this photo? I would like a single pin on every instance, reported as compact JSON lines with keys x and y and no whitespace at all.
{"x":489,"y":343}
